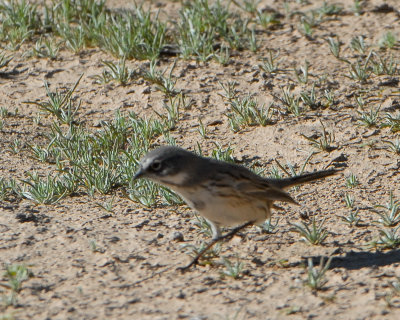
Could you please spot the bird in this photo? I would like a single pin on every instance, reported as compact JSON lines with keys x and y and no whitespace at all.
{"x":225,"y":194}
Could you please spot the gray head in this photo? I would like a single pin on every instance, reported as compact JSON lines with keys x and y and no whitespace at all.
{"x":167,"y":165}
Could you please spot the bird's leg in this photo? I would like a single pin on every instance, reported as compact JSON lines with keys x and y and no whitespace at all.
{"x":226,"y":237}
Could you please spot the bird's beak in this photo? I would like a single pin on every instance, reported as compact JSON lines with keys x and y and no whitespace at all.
{"x":138,"y":174}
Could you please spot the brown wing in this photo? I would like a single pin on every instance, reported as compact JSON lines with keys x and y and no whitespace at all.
{"x":263,"y":190}
{"x":243,"y":182}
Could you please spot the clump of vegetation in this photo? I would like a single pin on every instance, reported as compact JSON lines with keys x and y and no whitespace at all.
{"x":314,"y":234}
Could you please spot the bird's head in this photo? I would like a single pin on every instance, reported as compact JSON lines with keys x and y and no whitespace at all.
{"x":167,"y":165}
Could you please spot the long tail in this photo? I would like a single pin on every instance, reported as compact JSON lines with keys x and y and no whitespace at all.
{"x":292,"y":181}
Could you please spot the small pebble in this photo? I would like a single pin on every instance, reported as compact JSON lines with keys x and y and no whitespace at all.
{"x":177,"y":236}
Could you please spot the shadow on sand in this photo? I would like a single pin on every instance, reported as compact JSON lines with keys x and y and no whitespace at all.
{"x":358,"y":260}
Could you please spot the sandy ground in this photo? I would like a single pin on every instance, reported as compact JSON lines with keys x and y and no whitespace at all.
{"x":133,"y":274}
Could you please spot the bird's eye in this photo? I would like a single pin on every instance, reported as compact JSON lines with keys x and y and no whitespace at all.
{"x":156,"y":165}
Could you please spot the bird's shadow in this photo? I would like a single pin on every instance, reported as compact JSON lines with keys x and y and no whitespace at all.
{"x":14,"y":72}
{"x":358,"y":260}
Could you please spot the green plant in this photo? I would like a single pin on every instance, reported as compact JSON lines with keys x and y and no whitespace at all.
{"x":222,"y":154}
{"x":270,"y":64}
{"x":291,"y":171}
{"x":360,"y":102}
{"x":4,"y":113}
{"x":146,"y":193}
{"x":334,"y":46}
{"x":41,"y":154}
{"x":244,"y":111}
{"x":166,"y":84}
{"x":352,"y":218}
{"x":268,"y":227}
{"x":357,"y":7}
{"x":61,"y":105}
{"x":359,"y":72}
{"x":74,"y":36}
{"x":5,"y":60}
{"x":247,"y":112}
{"x":255,"y":167}
{"x":107,"y":205}
{"x":7,"y":316}
{"x":352,"y":181}
{"x":325,"y":141}
{"x":45,"y":191}
{"x":16,"y":274}
{"x":222,"y":55}
{"x":203,"y":225}
{"x":302,"y":74}
{"x":275,"y":173}
{"x":370,"y":118}
{"x":233,"y":270}
{"x":393,"y":146}
{"x":5,"y":189}
{"x":202,"y":23}
{"x":306,"y":25}
{"x":173,"y":107}
{"x":94,"y":247}
{"x":388,"y":40}
{"x":383,"y":66}
{"x":314,"y":234}
{"x":229,"y":89}
{"x":46,"y":48}
{"x":206,"y":258}
{"x":101,"y":176}
{"x":98,"y":161}
{"x":358,"y":44}
{"x":309,"y":98}
{"x":328,"y":9}
{"x":330,"y":98}
{"x":391,"y":215}
{"x":20,"y":21}
{"x":388,"y":239}
{"x":136,"y":34}
{"x":391,"y":298}
{"x":249,"y":6}
{"x":349,"y":200}
{"x":118,"y":72}
{"x":202,"y":129}
{"x":267,"y":19}
{"x":253,"y":41}
{"x":198,"y":26}
{"x":316,"y":278}
{"x":392,"y":121}
{"x":16,"y":146}
{"x":291,"y":102}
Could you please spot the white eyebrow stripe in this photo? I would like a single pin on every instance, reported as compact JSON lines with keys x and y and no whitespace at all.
{"x":146,"y":162}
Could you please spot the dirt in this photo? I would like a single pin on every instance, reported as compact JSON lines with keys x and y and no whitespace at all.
{"x":132,"y":274}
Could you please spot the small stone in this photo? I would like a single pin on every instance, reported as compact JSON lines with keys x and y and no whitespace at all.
{"x":146,"y":90}
{"x":177,"y":236}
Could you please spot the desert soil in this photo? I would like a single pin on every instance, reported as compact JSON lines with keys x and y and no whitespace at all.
{"x":133,"y":273}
